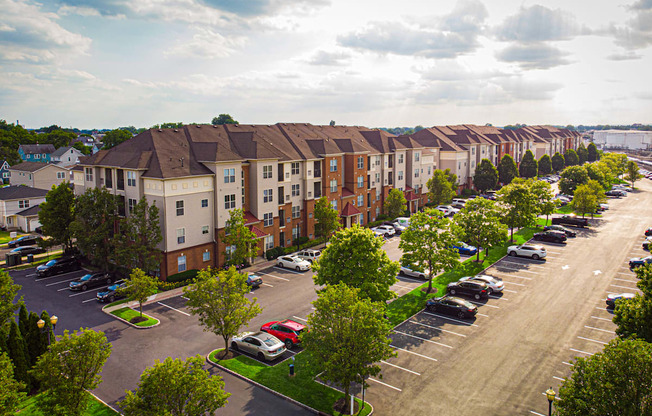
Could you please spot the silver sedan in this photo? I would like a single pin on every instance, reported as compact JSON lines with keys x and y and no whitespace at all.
{"x":261,"y":345}
{"x":496,"y":284}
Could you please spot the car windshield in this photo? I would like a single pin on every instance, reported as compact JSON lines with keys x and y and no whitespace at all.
{"x":113,"y":287}
{"x":51,"y":263}
{"x":85,"y":277}
{"x":269,"y":341}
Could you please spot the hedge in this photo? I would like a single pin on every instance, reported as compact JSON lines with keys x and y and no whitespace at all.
{"x":185,"y":275}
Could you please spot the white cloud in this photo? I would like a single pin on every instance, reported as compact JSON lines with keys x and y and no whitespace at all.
{"x":207,"y":44}
{"x":534,"y":56}
{"x":537,"y":24}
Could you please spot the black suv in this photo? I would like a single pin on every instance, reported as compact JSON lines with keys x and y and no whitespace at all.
{"x":92,"y":280}
{"x":561,"y":229}
{"x":26,"y":240}
{"x":473,"y":288}
{"x":550,"y":236}
{"x":452,"y":305}
{"x":571,"y":220}
{"x":58,"y":266}
{"x":112,"y":293}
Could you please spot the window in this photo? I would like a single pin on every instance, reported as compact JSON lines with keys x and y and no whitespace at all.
{"x":459,"y":166}
{"x":267,"y":172}
{"x":296,"y":211}
{"x":360,"y":200}
{"x":416,"y":173}
{"x":206,"y":256}
{"x":267,"y":195}
{"x":378,"y":194}
{"x":295,"y":232}
{"x":204,"y":229}
{"x":334,"y":185}
{"x":37,"y":156}
{"x":334,"y":204}
{"x":268,"y":219}
{"x":400,"y":158}
{"x":295,"y":190}
{"x":204,"y":203}
{"x":61,"y":175}
{"x":89,"y":174}
{"x":269,"y":242}
{"x":229,"y":175}
{"x":181,"y":263}
{"x":417,"y":155}
{"x":377,"y":177}
{"x":23,"y":204}
{"x":360,"y":162}
{"x":108,"y":175}
{"x":429,"y":170}
{"x":400,"y":175}
{"x":229,"y":251}
{"x":377,"y":160}
{"x":229,"y":201}
{"x":333,"y":165}
{"x":179,"y":208}
{"x":295,"y":168}
{"x":131,"y":178}
{"x":132,"y":205}
{"x":181,"y":235}
{"x":360,"y":182}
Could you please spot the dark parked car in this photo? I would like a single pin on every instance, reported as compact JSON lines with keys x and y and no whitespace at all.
{"x":26,"y":240}
{"x":616,"y":193}
{"x":646,"y":243}
{"x":561,"y":229}
{"x":571,"y":220}
{"x":111,"y":294}
{"x":614,"y":298}
{"x":92,"y":280}
{"x":648,"y":232}
{"x":638,"y":261}
{"x":58,"y":266}
{"x":452,"y":305}
{"x":254,"y":281}
{"x":473,"y":288}
{"x":25,"y":250}
{"x":550,"y":236}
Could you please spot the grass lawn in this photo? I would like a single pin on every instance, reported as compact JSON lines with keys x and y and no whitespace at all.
{"x":302,"y":387}
{"x":566,"y":209}
{"x":96,"y":408}
{"x":4,"y":237}
{"x":127,"y":313}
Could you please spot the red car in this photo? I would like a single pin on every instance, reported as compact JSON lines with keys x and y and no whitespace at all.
{"x":287,"y":331}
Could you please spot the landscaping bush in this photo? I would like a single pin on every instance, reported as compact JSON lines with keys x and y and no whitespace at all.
{"x":300,"y":241}
{"x":468,"y":192}
{"x":273,"y":253}
{"x":374,"y":223}
{"x":185,"y":275}
{"x":164,"y":286}
{"x":290,"y":249}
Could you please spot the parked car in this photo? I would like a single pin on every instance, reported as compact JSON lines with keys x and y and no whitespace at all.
{"x":384,"y":230}
{"x":26,"y":240}
{"x":616,"y":193}
{"x":398,"y":228}
{"x":550,"y":236}
{"x":310,"y":255}
{"x":448,"y":210}
{"x":622,"y":187}
{"x":112,"y":293}
{"x":527,"y":250}
{"x":561,"y":229}
{"x":288,"y":331}
{"x":293,"y":262}
{"x":254,"y":281}
{"x":451,"y":305}
{"x":648,"y":232}
{"x":477,"y":289}
{"x":25,"y":250}
{"x":639,"y":261}
{"x":614,"y":298}
{"x":92,"y":280}
{"x":410,"y":271}
{"x":647,"y":243}
{"x":465,"y":249}
{"x":58,"y":266}
{"x":571,"y":220}
{"x":496,"y":284}
{"x":562,"y":200}
{"x":604,"y":207}
{"x":403,"y":221}
{"x":260,"y":344}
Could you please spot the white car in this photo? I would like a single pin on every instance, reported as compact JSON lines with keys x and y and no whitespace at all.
{"x":403,"y":221}
{"x":293,"y":262}
{"x":309,"y":255}
{"x":622,"y":188}
{"x":448,"y":210}
{"x":495,"y":284}
{"x":260,"y":344}
{"x":534,"y":251}
{"x":604,"y":206}
{"x":384,"y":230}
{"x":398,"y":227}
{"x":407,"y":271}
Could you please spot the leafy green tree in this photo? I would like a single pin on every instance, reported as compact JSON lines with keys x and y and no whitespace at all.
{"x":558,"y":162}
{"x":169,"y":125}
{"x":545,"y":165}
{"x":140,"y":286}
{"x":591,"y":152}
{"x":529,"y":168}
{"x":59,"y":138}
{"x":355,"y":256}
{"x":8,"y":303}
{"x":23,"y":320}
{"x":542,"y":193}
{"x":571,"y":158}
{"x":141,"y":234}
{"x":632,"y":172}
{"x":598,"y":190}
{"x":479,"y":224}
{"x":614,"y":382}
{"x":582,"y":154}
{"x":507,"y":169}
{"x":486,"y":176}
{"x":520,"y":206}
{"x":348,"y":336}
{"x":427,"y":244}
{"x":115,"y":137}
{"x":86,"y":150}
{"x":597,"y":173}
{"x":11,"y":393}
{"x":617,"y":162}
{"x":584,"y":200}
{"x":68,"y":369}
{"x":176,"y":387}
{"x":395,"y":204}
{"x":57,"y":213}
{"x":18,"y":353}
{"x":237,"y":234}
{"x":218,"y":299}
{"x":326,"y":218}
{"x":571,"y":178}
{"x":439,"y":188}
{"x":223,"y":119}
{"x":633,"y":316}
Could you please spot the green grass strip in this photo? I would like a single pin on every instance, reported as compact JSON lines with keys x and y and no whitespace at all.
{"x":127,"y":314}
{"x":96,"y":408}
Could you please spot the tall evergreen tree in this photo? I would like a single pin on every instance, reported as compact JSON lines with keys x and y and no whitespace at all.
{"x":545,"y":165}
{"x":582,"y":154}
{"x":592,"y":152}
{"x":571,"y":158}
{"x":558,"y":162}
{"x":23,"y":321}
{"x":486,"y":176}
{"x":17,"y":353}
{"x":529,"y":166}
{"x":507,"y":169}
{"x":36,"y":341}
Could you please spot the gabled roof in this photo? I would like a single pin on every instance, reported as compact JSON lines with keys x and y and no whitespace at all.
{"x":30,"y":212}
{"x":36,"y":148}
{"x":258,"y":232}
{"x":32,"y":166}
{"x":349,"y":210}
{"x":21,"y":192}
{"x":62,"y":150}
{"x":250,"y":218}
{"x":346,"y":192}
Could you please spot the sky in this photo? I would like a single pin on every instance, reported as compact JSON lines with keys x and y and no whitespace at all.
{"x":374,"y":63}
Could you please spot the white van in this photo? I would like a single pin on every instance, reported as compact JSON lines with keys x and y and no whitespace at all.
{"x":403,"y":221}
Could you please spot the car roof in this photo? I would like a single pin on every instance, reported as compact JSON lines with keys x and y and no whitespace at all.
{"x":295,"y":326}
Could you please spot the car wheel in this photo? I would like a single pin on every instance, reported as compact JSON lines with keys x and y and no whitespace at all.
{"x":280,"y":265}
{"x":111,"y":299}
{"x":535,"y":257}
{"x":452,"y":291}
{"x":298,"y":268}
{"x":460,"y":314}
{"x":234,"y":346}
{"x":401,"y":273}
{"x":512,"y":253}
{"x":421,"y":276}
{"x":477,"y":296}
{"x":490,"y":291}
{"x":84,"y":287}
{"x":260,"y":356}
{"x":431,"y":308}
{"x":288,"y":344}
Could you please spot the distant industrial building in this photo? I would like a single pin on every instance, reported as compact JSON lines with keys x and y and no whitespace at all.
{"x":623,"y":139}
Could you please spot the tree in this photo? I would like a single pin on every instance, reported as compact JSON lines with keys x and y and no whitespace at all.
{"x":218,"y":299}
{"x":141,"y":234}
{"x":348,"y":336}
{"x":8,"y":303}
{"x":86,"y":150}
{"x":59,"y":138}
{"x":617,"y":162}
{"x":395,"y":204}
{"x":558,"y":162}
{"x":584,"y":200}
{"x":529,"y":168}
{"x":223,"y":119}
{"x":571,"y":178}
{"x":57,"y":213}
{"x":582,"y":154}
{"x":632,"y":172}
{"x":355,"y":256}
{"x":633,"y":316}
{"x":519,"y":204}
{"x":592,"y":152}
{"x":69,"y":368}
{"x":614,"y":382}
{"x":18,"y":353}
{"x":439,"y":187}
{"x":486,"y":176}
{"x":237,"y":234}
{"x":96,"y":210}
{"x":332,"y":123}
{"x":507,"y":170}
{"x":545,"y":165}
{"x":36,"y":340}
{"x":326,"y":218}
{"x":140,"y":286}
{"x":11,"y":394}
{"x":597,"y":173}
{"x":427,"y":244}
{"x":544,"y":202}
{"x":115,"y":137}
{"x":176,"y":387}
{"x":571,"y":158}
{"x":479,"y":223}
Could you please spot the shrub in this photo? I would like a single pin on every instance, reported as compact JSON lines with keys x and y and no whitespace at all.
{"x":165,"y":286}
{"x":182,"y":276}
{"x":300,"y":241}
{"x":468,"y":192}
{"x":273,"y":253}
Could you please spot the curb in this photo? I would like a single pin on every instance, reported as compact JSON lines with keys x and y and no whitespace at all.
{"x":127,"y":322}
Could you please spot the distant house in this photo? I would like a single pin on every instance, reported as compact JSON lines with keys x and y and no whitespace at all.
{"x":4,"y":172}
{"x":35,"y":152}
{"x":92,"y":142}
{"x":38,"y":175}
{"x":66,"y":156}
{"x":19,"y":207}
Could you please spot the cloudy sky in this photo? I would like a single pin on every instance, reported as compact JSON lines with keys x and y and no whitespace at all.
{"x":110,"y":63}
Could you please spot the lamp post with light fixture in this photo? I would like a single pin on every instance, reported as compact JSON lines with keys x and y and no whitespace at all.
{"x":41,"y":325}
{"x":550,"y":394}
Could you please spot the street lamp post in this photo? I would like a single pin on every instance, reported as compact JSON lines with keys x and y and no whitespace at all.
{"x":550,"y":394}
{"x":41,"y":325}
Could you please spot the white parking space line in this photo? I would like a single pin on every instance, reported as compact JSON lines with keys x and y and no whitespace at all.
{"x":439,"y":329}
{"x":450,"y":319}
{"x":630,"y":274}
{"x":593,"y":340}
{"x":384,"y":384}
{"x":600,"y":329}
{"x":482,"y":314}
{"x":511,"y":291}
{"x":498,"y":297}
{"x":65,"y":288}
{"x":512,"y":283}
{"x":183,"y":297}
{"x":30,"y":275}
{"x":624,"y":287}
{"x":275,"y":277}
{"x":567,"y":363}
{"x":626,"y":268}
{"x":626,"y":280}
{"x":413,"y":353}
{"x":301,"y":319}
{"x":558,"y":378}
{"x":63,"y":281}
{"x":88,"y":291}
{"x":423,"y":339}
{"x":602,"y":319}
{"x":580,"y":351}
{"x":516,"y":270}
{"x":267,"y":284}
{"x":484,"y":304}
{"x":536,"y":413}
{"x":288,"y":270}
{"x":57,"y":275}
{"x":400,"y":368}
{"x":518,"y":277}
{"x":89,"y":300}
{"x":174,"y":309}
